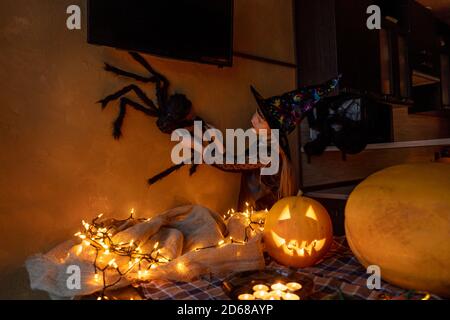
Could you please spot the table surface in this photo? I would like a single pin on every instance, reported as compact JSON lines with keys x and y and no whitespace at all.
{"x":338,"y":273}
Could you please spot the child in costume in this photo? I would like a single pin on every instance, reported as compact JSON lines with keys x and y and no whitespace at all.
{"x":284,"y":113}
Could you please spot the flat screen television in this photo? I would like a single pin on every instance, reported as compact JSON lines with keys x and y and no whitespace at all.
{"x":195,"y":30}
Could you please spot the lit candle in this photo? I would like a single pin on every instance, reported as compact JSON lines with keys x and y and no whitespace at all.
{"x":290,"y":296}
{"x":261,"y":294}
{"x":278,"y":286}
{"x":271,"y":297}
{"x":246,"y":296}
{"x":260,"y":287}
{"x":276,"y":293}
{"x":293,"y":286}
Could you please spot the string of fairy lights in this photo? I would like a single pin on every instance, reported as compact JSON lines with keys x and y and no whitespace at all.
{"x":251,"y":225}
{"x":99,"y":235}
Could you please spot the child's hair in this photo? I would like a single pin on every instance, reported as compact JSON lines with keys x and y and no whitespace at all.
{"x":287,"y":182}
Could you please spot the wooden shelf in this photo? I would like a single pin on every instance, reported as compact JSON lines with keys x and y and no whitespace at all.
{"x":400,"y":145}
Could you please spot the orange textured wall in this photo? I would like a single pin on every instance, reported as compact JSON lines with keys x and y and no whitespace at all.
{"x":59,"y":163}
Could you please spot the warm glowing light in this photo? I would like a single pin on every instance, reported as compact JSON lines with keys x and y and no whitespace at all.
{"x":427,"y":297}
{"x":246,"y":296}
{"x":163,"y":260}
{"x":260,"y":294}
{"x":278,"y":287}
{"x":279,"y":241}
{"x":181,"y":267}
{"x":112,"y":263}
{"x":310,"y":213}
{"x":293,"y":286}
{"x":85,"y":224}
{"x":292,"y":245}
{"x":276,"y":293}
{"x":260,"y":287}
{"x":290,"y":296}
{"x":319,"y":244}
{"x":99,"y":237}
{"x":285,"y":214}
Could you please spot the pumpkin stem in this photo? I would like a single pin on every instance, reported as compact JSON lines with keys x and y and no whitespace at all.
{"x":299,"y":193}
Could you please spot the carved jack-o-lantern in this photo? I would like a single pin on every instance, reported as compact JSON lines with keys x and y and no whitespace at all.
{"x":298,"y":231}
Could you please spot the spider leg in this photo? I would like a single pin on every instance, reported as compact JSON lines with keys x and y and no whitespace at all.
{"x":193,"y":169}
{"x":117,"y":125}
{"x":152,"y":109}
{"x":162,"y":84}
{"x":141,"y":60}
{"x":127,"y":74}
{"x":124,"y":102}
{"x":170,"y":170}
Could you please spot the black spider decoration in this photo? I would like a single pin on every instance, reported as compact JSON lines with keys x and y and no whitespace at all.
{"x":172,"y":111}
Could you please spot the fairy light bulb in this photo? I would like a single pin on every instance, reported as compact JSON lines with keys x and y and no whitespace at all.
{"x":99,"y":237}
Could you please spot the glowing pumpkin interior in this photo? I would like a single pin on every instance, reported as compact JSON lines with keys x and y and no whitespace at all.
{"x":297,"y":232}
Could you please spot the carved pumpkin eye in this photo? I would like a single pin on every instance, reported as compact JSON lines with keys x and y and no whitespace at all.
{"x":298,"y":231}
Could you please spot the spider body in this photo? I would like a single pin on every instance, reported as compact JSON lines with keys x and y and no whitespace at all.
{"x":172,"y":111}
{"x":177,"y":114}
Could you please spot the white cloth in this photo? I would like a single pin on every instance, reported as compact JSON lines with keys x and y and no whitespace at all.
{"x":179,"y":232}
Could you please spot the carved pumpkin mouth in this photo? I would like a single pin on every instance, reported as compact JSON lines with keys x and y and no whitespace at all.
{"x":293,"y":248}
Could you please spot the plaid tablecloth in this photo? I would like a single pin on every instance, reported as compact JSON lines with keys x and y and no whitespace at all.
{"x":339,"y":271}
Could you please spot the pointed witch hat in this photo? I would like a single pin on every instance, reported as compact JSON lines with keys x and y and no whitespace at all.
{"x":286,"y":111}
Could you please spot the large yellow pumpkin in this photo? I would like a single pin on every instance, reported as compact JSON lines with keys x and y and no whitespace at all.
{"x":399,"y":219}
{"x":297,"y":232}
